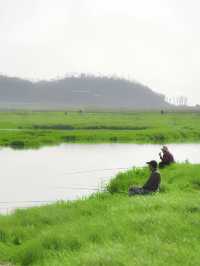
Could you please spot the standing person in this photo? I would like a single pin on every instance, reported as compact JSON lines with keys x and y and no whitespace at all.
{"x":166,"y":157}
{"x":152,"y":184}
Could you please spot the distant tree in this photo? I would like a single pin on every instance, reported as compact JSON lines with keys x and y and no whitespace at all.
{"x":182,"y":101}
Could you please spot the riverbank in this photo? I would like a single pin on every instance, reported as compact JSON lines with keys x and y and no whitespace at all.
{"x":36,"y":129}
{"x":110,"y":228}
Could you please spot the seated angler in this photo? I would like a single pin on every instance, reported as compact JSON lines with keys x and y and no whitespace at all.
{"x":166,"y":157}
{"x":152,"y":184}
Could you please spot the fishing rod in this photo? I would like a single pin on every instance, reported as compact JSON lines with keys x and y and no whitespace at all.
{"x":95,"y":170}
{"x":79,"y":188}
{"x":100,"y":189}
{"x":26,"y":201}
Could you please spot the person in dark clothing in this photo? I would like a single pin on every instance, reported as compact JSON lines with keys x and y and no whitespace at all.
{"x":152,"y":184}
{"x":166,"y":157}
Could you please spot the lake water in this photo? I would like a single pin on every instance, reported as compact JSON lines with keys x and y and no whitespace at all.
{"x":67,"y":172}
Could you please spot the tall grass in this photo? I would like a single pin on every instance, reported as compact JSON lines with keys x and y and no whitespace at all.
{"x":111,"y":229}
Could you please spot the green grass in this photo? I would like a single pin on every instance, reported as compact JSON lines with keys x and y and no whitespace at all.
{"x":34,"y":129}
{"x":111,"y":229}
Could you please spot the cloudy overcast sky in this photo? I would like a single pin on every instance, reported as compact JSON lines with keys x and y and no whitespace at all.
{"x":154,"y":42}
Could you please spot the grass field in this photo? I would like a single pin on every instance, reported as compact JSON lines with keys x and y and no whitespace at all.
{"x":111,"y":229}
{"x":34,"y":129}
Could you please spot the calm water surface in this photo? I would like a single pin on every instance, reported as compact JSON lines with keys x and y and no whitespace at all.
{"x":67,"y":172}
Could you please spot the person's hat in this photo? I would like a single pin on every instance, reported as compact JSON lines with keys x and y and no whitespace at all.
{"x":153,"y":163}
{"x":164,"y":148}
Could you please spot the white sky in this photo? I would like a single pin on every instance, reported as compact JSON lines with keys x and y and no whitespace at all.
{"x":156,"y":42}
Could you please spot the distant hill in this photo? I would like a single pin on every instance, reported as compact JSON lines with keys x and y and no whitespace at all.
{"x":78,"y":92}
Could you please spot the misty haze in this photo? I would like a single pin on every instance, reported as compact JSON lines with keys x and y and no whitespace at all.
{"x":99,"y":133}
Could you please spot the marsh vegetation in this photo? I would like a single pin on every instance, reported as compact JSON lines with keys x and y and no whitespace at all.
{"x":35,"y":129}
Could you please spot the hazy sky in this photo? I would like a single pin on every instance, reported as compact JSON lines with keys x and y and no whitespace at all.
{"x":156,"y":42}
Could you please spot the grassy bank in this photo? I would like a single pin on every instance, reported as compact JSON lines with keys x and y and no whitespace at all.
{"x":34,"y":129}
{"x":111,"y":229}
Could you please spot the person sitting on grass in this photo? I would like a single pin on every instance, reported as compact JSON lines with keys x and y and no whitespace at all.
{"x":166,"y":157}
{"x":152,"y":184}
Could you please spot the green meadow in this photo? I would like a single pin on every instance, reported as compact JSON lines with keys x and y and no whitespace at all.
{"x":25,"y":129}
{"x":110,"y":228}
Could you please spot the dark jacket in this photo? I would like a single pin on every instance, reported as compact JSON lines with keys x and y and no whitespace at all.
{"x":167,"y":158}
{"x":153,"y":182}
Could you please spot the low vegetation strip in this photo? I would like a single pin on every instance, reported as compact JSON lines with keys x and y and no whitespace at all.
{"x":38,"y":138}
{"x":111,"y":229}
{"x":34,"y":129}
